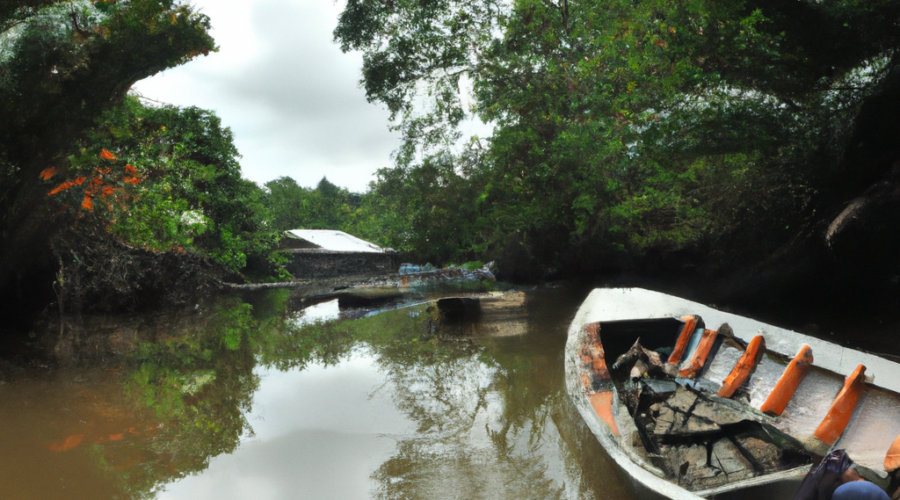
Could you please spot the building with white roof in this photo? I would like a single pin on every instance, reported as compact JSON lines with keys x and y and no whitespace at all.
{"x":332,"y":240}
{"x":328,"y":253}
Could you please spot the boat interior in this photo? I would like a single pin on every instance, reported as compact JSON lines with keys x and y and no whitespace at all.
{"x":710,"y":409}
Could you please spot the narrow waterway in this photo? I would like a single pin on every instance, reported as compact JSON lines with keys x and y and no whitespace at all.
{"x":265,"y":400}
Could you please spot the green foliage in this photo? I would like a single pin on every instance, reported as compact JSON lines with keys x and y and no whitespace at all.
{"x":186,"y":193}
{"x":619,"y":126}
{"x":429,"y":210}
{"x":295,"y":207}
{"x":403,"y":334}
{"x":66,"y":63}
{"x":63,"y":64}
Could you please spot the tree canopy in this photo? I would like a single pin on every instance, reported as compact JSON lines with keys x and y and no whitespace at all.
{"x":729,"y":130}
{"x":292,"y":206}
{"x":100,"y":194}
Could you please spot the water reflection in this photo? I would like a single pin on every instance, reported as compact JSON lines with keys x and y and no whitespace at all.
{"x":262,"y":402}
{"x":318,"y":434}
{"x":323,"y":311}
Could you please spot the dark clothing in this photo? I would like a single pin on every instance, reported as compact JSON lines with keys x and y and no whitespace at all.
{"x":823,"y":480}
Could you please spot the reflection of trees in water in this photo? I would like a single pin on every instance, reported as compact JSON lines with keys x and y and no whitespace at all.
{"x":464,"y":446}
{"x":484,"y":426}
{"x":198,"y":385}
{"x":492,"y":416}
{"x":139,"y":413}
{"x":485,"y":429}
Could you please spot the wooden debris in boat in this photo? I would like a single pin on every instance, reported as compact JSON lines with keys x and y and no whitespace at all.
{"x":682,"y":425}
{"x":691,"y":461}
{"x":702,"y":466}
{"x":717,"y":412}
{"x":659,"y":386}
{"x":693,"y":465}
{"x":687,"y":414}
{"x":639,"y":370}
{"x":630,"y":395}
{"x":703,"y":441}
{"x":727,"y":458}
{"x":646,"y":362}
{"x":683,"y":400}
{"x":766,"y":454}
{"x":638,"y":352}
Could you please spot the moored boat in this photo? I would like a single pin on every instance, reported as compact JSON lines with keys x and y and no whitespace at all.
{"x":700,"y":403}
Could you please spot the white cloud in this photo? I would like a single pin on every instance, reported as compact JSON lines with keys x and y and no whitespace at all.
{"x":286,"y":90}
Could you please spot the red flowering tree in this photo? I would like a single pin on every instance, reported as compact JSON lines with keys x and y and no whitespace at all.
{"x":103,"y":183}
{"x":151,"y":181}
{"x":63,"y":65}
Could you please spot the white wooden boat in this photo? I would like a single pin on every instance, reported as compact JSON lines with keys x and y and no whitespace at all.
{"x":723,"y":416}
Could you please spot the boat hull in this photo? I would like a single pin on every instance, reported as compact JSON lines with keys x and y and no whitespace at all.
{"x":645,"y":480}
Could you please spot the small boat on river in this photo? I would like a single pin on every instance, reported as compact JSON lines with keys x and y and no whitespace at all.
{"x":692,"y":402}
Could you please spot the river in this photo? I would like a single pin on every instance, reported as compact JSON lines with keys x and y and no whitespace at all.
{"x":260,"y":398}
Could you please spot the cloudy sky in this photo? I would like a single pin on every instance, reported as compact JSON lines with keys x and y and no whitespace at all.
{"x":289,"y":94}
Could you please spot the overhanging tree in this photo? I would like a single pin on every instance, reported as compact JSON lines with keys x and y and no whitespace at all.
{"x":726,"y":128}
{"x":62,"y":64}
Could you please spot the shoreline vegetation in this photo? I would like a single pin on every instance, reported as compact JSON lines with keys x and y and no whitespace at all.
{"x":737,"y":152}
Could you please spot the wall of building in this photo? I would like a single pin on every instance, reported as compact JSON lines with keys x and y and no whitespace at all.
{"x":317,"y":263}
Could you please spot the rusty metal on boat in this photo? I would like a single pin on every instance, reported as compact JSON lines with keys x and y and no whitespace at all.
{"x":706,"y":404}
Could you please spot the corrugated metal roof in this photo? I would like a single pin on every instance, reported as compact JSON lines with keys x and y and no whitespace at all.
{"x":338,"y":241}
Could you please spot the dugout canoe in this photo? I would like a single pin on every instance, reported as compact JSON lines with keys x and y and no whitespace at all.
{"x":708,"y":404}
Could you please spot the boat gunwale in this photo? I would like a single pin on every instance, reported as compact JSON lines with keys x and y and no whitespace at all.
{"x":880,"y":372}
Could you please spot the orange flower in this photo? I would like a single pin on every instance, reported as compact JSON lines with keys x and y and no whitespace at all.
{"x":62,"y":187}
{"x":108,"y":190}
{"x":47,"y":173}
{"x":97,"y":180}
{"x":130,"y":169}
{"x":106,"y":155}
{"x":132,"y":180}
{"x":80,"y":180}
{"x":87,"y":204}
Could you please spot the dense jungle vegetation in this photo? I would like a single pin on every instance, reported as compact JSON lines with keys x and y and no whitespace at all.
{"x":750,"y":144}
{"x":749,"y":147}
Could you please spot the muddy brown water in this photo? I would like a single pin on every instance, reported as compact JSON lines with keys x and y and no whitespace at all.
{"x":261,"y":400}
